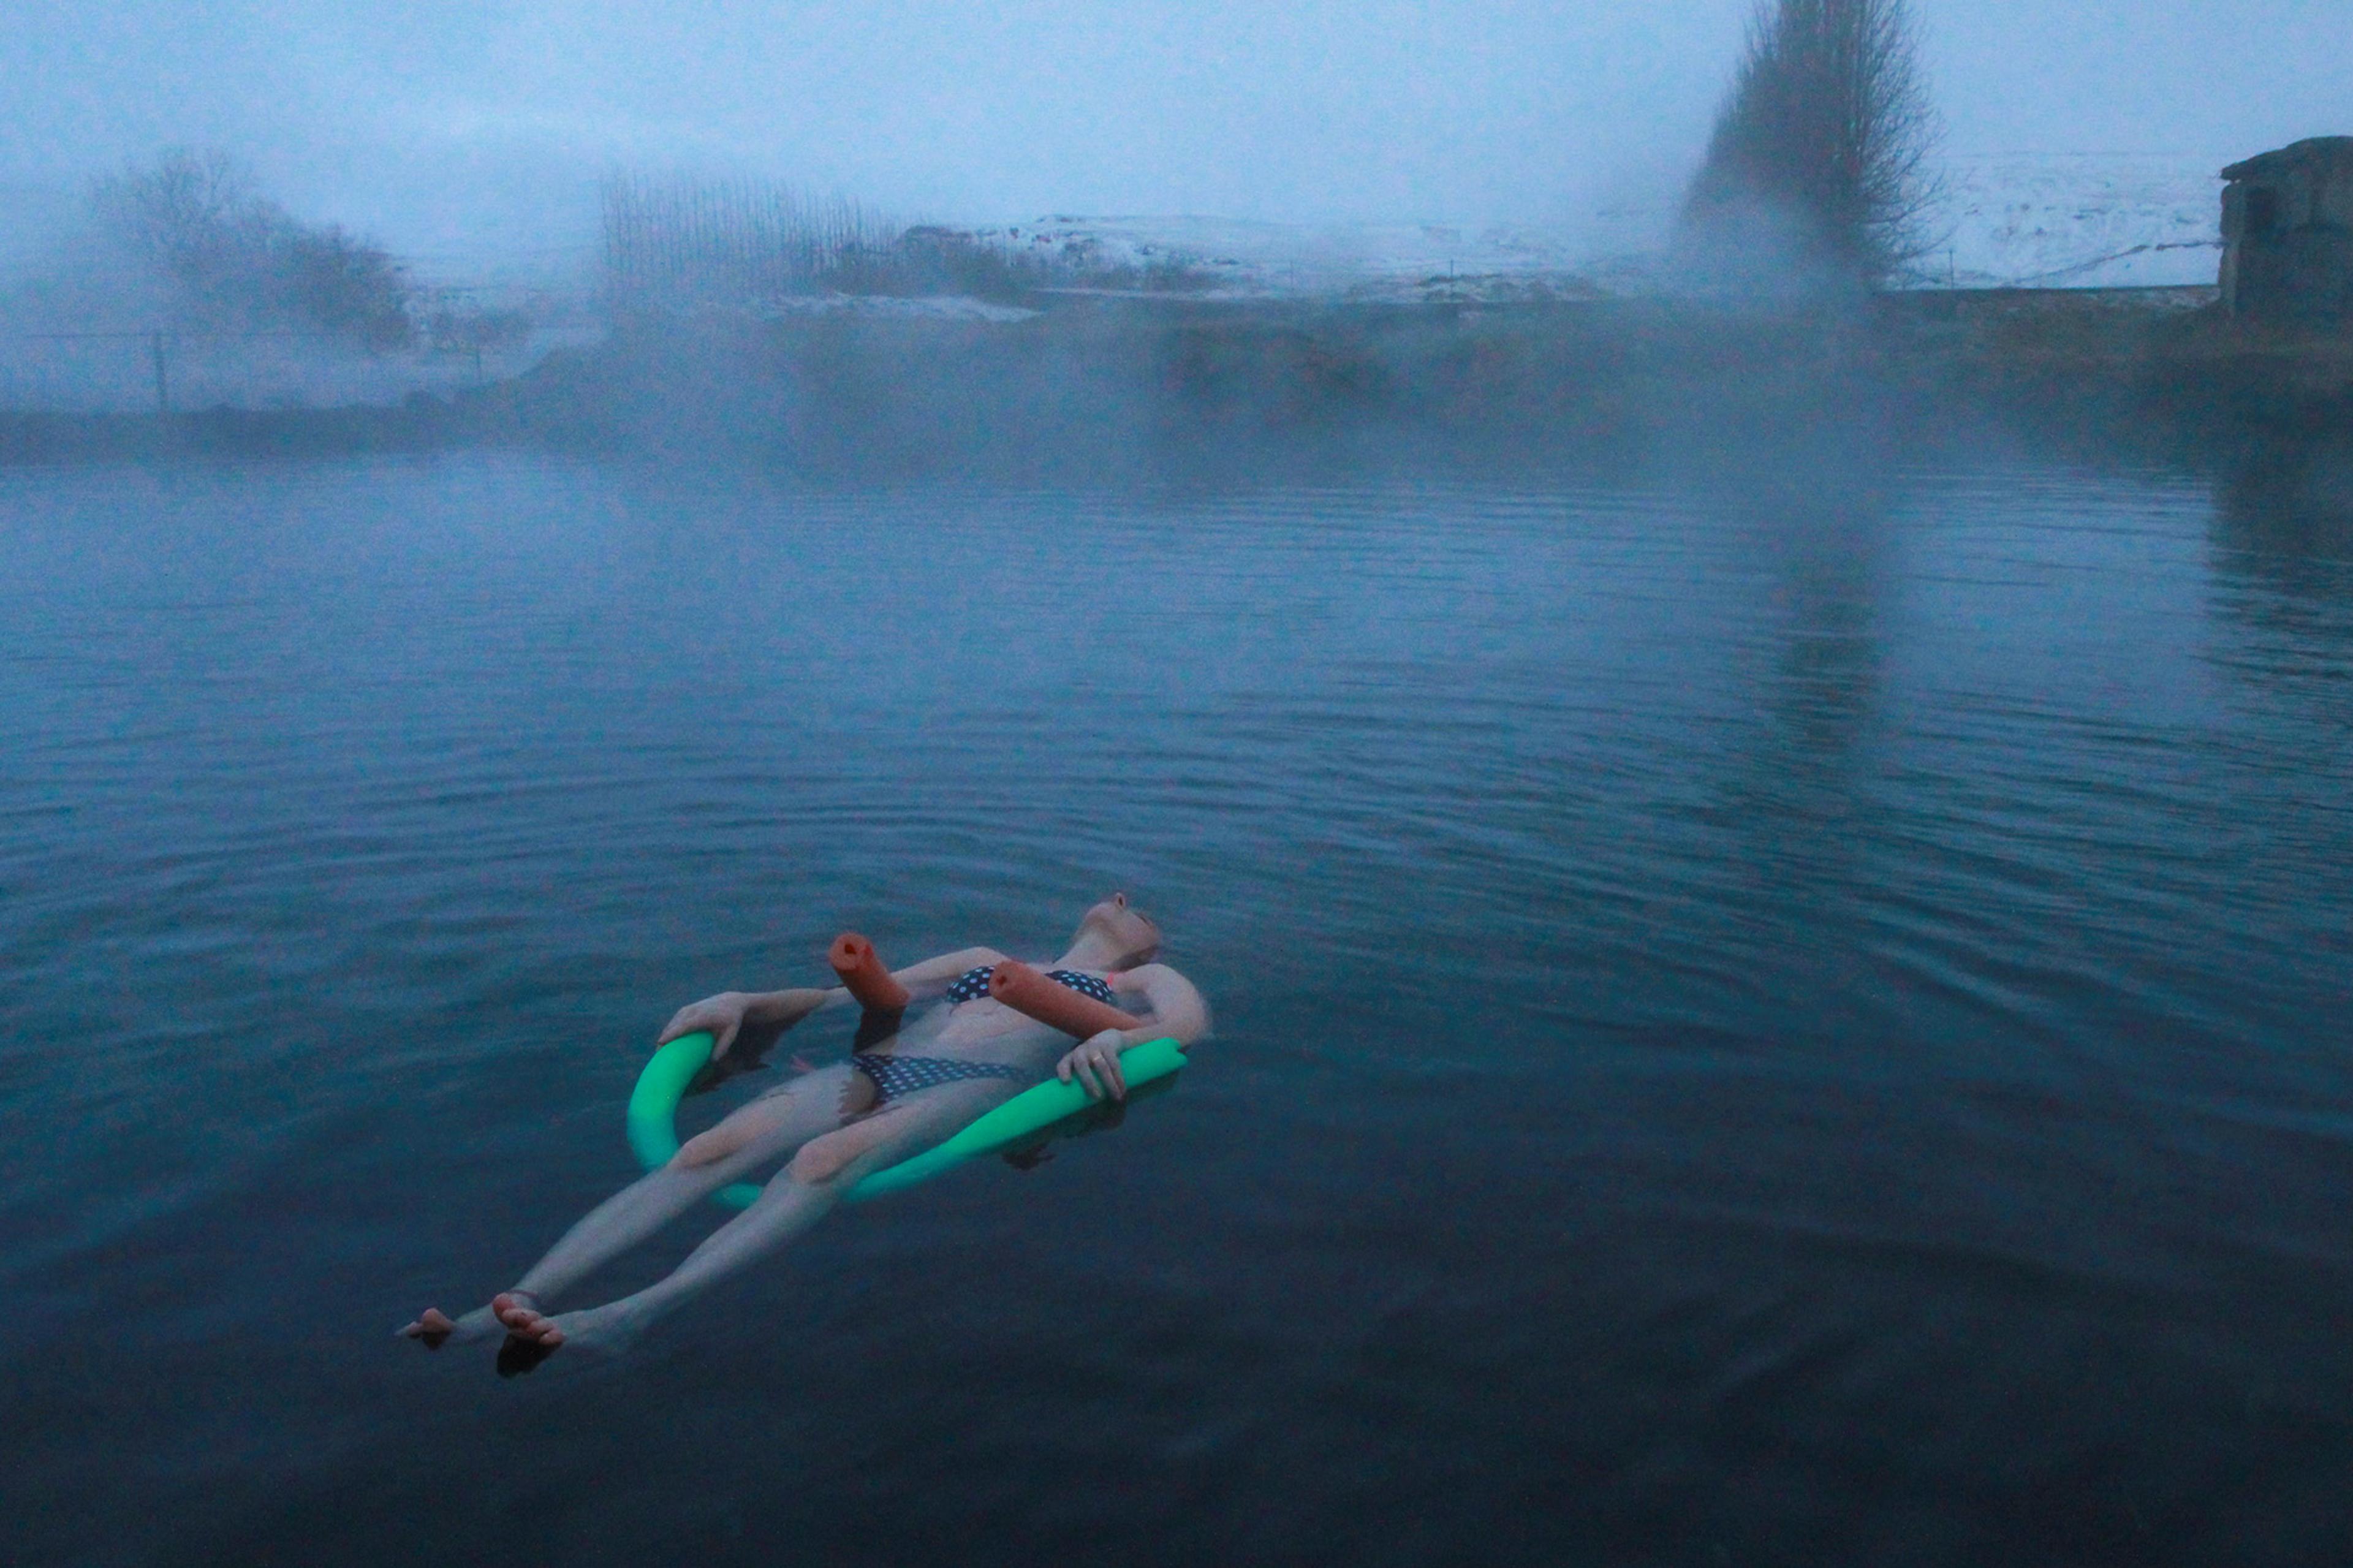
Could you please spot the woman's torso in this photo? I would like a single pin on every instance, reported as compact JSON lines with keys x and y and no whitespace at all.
{"x":971,"y":1026}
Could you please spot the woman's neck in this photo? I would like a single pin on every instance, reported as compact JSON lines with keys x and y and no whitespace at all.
{"x":1090,"y":952}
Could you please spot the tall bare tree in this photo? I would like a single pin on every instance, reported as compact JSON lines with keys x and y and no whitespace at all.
{"x":1825,"y":136}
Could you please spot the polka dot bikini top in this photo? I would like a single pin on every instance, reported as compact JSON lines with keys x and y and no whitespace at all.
{"x":973,"y":984}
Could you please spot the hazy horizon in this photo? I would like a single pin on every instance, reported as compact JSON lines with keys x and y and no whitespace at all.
{"x":448,"y":130}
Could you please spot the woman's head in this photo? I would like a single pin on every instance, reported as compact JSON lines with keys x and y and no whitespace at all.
{"x":1121,"y":935}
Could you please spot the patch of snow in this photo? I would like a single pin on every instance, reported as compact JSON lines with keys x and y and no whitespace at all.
{"x":2090,"y":220}
{"x":929,"y":308}
{"x":1237,"y":259}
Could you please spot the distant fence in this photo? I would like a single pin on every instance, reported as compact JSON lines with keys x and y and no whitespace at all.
{"x":151,"y":369}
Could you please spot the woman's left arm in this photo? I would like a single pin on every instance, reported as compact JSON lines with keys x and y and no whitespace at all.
{"x":1177,"y":1011}
{"x":1175,"y":1008}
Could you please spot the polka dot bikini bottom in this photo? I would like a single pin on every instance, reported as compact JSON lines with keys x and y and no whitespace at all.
{"x":895,"y":1075}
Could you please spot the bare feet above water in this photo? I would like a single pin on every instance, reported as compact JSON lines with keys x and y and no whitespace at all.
{"x":532,"y":1335}
{"x":514,"y":1313}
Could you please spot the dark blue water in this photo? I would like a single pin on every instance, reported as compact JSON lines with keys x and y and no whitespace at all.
{"x":1800,"y":1030}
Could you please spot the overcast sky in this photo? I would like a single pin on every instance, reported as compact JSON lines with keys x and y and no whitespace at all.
{"x":450,"y":122}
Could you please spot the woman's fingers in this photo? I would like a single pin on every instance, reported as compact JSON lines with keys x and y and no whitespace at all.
{"x":1100,"y":1068}
{"x":1095,"y":1068}
{"x":719,"y":1017}
{"x":684,"y":1024}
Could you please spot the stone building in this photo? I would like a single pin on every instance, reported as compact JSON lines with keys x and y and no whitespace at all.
{"x":2287,"y":231}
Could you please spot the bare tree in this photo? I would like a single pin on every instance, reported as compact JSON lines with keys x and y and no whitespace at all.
{"x":734,"y":241}
{"x":1825,"y":136}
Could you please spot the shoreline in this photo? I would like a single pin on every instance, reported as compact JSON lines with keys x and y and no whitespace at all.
{"x":1094,"y":376}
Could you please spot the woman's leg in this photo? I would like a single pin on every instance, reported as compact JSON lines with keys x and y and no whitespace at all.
{"x":799,"y":1195}
{"x":767,"y":1129}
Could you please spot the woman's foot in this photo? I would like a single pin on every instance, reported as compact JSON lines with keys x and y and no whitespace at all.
{"x":518,"y":1312}
{"x":434,"y":1328}
{"x":599,"y":1331}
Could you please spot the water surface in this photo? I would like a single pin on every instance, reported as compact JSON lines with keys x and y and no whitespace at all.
{"x":1779,"y":1023}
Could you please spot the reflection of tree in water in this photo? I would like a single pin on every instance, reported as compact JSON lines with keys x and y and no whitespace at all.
{"x":2286,"y":517}
{"x":1801,"y":789}
{"x":2283,"y":540}
{"x":1820,"y":686}
{"x":1827,"y":677}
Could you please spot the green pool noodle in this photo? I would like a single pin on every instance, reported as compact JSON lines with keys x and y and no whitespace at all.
{"x":654,"y":1115}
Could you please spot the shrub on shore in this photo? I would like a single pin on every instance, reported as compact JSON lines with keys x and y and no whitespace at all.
{"x":683,"y":241}
{"x":229,"y":258}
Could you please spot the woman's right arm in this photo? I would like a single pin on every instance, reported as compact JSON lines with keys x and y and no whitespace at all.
{"x":724,"y":1015}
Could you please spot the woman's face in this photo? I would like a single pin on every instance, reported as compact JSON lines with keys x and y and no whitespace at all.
{"x":1131,"y":931}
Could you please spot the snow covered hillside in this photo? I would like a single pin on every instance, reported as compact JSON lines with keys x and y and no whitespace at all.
{"x":2044,"y":220}
{"x":2081,"y":220}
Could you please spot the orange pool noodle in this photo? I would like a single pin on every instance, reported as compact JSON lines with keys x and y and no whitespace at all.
{"x":854,"y":958}
{"x":1058,"y":1006}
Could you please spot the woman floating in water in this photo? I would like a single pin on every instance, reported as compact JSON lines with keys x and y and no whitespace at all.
{"x":904,"y":1090}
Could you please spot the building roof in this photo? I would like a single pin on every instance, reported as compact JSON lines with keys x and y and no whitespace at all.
{"x":2323,"y":150}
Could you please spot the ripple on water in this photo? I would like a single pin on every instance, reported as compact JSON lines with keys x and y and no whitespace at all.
{"x":1800,"y":1030}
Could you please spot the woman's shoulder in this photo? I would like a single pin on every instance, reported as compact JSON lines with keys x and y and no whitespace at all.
{"x":1143,"y":974}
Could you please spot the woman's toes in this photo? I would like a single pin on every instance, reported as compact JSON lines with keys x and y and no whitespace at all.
{"x":432,"y":1326}
{"x":514,"y":1308}
{"x":523,"y":1323}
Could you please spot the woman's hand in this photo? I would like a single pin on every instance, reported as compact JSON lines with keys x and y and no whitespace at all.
{"x":728,"y":1012}
{"x":721,"y":1015}
{"x":1094,"y":1062}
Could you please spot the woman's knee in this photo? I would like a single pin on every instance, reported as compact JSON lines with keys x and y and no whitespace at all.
{"x":762,"y":1121}
{"x":823,"y":1159}
{"x":706,"y":1149}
